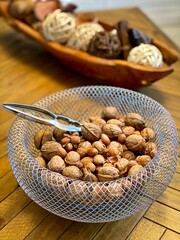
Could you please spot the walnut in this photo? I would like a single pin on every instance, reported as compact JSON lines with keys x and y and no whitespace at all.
{"x":98,"y":121}
{"x":72,"y":172}
{"x":89,"y":176}
{"x":135,"y":120}
{"x":83,"y":148}
{"x":111,"y":130}
{"x":135,"y":142}
{"x":78,"y":191}
{"x":86,"y":160}
{"x":91,"y":132}
{"x":134,"y":169}
{"x":116,"y":122}
{"x":107,"y":173}
{"x":150,"y":149}
{"x":56,"y":164}
{"x":109,"y":112}
{"x":129,"y":155}
{"x":131,"y":163}
{"x":128,"y":130}
{"x":100,"y":146}
{"x":143,"y":160}
{"x":73,"y":158}
{"x":69,"y":147}
{"x":41,"y":137}
{"x":122,"y":165}
{"x":52,"y":148}
{"x":148,"y":134}
{"x":114,"y":148}
{"x":41,"y":161}
{"x":99,"y":159}
{"x":58,"y":134}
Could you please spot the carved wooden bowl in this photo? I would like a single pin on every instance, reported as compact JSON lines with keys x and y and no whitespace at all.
{"x":107,"y":71}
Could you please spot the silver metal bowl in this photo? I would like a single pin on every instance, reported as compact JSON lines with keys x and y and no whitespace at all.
{"x":103,"y":201}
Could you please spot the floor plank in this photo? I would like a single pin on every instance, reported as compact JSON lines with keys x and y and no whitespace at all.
{"x":119,"y":229}
{"x":170,"y":235}
{"x":26,"y":221}
{"x":171,"y":198}
{"x":151,"y":231}
{"x":52,"y":227}
{"x":164,"y":216}
{"x":12,"y":205}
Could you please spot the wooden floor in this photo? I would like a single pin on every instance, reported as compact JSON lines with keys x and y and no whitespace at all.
{"x":165,"y":13}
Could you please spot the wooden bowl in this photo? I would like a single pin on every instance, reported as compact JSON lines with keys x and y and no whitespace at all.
{"x":107,"y":71}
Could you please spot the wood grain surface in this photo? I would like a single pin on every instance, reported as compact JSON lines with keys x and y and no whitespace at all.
{"x":27,"y":73}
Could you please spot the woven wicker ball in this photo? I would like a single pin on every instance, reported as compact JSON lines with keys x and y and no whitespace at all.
{"x":146,"y":54}
{"x":81,"y":37}
{"x":58,"y":26}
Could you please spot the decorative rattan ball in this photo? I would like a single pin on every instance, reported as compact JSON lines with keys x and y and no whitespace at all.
{"x":58,"y":26}
{"x":81,"y":37}
{"x":146,"y":54}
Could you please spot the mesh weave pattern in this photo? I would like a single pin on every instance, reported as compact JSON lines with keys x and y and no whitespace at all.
{"x":103,"y":201}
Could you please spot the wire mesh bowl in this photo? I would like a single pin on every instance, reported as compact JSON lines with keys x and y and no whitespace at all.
{"x":95,"y":201}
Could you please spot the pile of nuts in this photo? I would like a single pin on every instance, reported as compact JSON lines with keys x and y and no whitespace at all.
{"x":109,"y":147}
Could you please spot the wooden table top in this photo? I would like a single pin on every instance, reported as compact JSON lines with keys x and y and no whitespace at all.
{"x":27,"y":73}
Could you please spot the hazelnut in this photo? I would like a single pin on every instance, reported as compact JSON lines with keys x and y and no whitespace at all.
{"x":41,"y":137}
{"x":41,"y":161}
{"x":121,"y":138}
{"x":143,"y":160}
{"x":109,"y":112}
{"x":72,"y":172}
{"x":65,"y":140}
{"x":114,"y":148}
{"x":135,"y":120}
{"x":148,"y":134}
{"x":51,"y":148}
{"x":91,"y":132}
{"x":111,"y":130}
{"x":135,"y":142}
{"x":56,"y":164}
{"x":92,"y":152}
{"x":105,"y":139}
